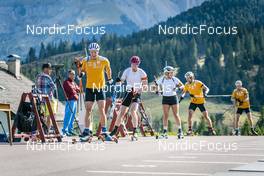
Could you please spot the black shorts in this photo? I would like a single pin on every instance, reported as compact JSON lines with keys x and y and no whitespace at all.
{"x":194,"y":106}
{"x":241,"y":110}
{"x":171,"y":100}
{"x":94,"y":94}
{"x":130,"y":98}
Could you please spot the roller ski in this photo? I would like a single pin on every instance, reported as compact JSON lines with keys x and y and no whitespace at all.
{"x":86,"y":139}
{"x":180,"y":134}
{"x":211,"y":132}
{"x":106,"y":137}
{"x":86,"y":136}
{"x":236,"y":132}
{"x":134,"y":137}
{"x":162,"y":136}
{"x":190,"y":132}
{"x":253,"y":132}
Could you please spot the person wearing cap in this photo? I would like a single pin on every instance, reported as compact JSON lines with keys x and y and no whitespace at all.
{"x":198,"y":92}
{"x":240,"y":98}
{"x":136,"y":82}
{"x":168,"y":85}
{"x":71,"y":90}
{"x":94,"y":68}
{"x":46,"y":85}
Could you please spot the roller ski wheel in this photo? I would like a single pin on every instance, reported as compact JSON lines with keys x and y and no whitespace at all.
{"x":26,"y":139}
{"x":133,"y":138}
{"x":162,"y":136}
{"x":51,"y":140}
{"x":180,"y":136}
{"x":74,"y":141}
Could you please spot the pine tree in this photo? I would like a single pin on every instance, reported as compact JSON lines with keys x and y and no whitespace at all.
{"x":42,"y":52}
{"x":31,"y":55}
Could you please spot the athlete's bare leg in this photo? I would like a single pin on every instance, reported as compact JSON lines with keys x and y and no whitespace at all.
{"x":133,"y":111}
{"x":89,"y":108}
{"x":237,"y":120}
{"x":175,"y":110}
{"x":250,"y":119}
{"x":208,"y":119}
{"x":166,"y":109}
{"x":123,"y":110}
{"x":101,"y":110}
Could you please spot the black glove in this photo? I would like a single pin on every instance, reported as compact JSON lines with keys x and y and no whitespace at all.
{"x":181,"y":99}
{"x":81,"y":75}
{"x":191,"y":95}
{"x":239,"y":102}
{"x":118,"y":79}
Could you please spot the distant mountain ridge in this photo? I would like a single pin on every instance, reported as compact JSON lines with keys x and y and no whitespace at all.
{"x":118,"y":16}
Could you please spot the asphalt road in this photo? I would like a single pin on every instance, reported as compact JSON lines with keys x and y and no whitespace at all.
{"x":190,"y":156}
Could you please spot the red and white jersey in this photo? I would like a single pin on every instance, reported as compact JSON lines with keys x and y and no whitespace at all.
{"x":134,"y":78}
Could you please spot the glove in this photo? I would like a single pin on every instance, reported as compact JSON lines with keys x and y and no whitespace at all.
{"x":239,"y":101}
{"x":159,"y":93}
{"x":81,"y":75}
{"x":181,"y":99}
{"x":118,"y":79}
{"x":205,"y":95}
{"x":110,"y":81}
{"x":191,"y":95}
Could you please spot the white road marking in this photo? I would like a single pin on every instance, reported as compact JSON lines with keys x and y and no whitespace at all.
{"x":193,"y":162}
{"x":146,"y":173}
{"x":183,"y":157}
{"x":138,"y":165}
{"x":224,"y":154}
{"x":250,"y":148}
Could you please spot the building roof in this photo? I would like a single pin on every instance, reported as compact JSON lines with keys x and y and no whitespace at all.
{"x":11,"y":90}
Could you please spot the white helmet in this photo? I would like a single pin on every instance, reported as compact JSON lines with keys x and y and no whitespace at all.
{"x":189,"y":74}
{"x":238,"y":83}
{"x":168,"y":69}
{"x":94,"y":46}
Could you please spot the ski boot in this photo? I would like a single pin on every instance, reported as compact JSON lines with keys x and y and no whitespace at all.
{"x":237,"y":132}
{"x":134,"y":137}
{"x":86,"y":137}
{"x":106,"y":137}
{"x":190,"y":132}
{"x":180,"y":134}
{"x":253,"y":132}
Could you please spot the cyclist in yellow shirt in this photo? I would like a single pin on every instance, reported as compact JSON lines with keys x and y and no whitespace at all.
{"x":197,"y":91}
{"x":94,"y":68}
{"x":240,"y":98}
